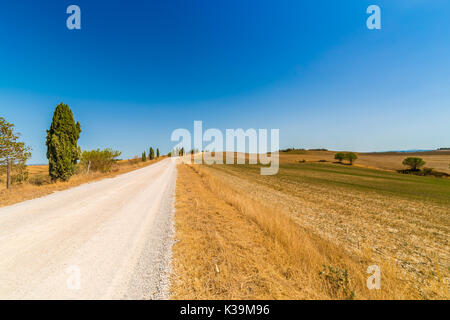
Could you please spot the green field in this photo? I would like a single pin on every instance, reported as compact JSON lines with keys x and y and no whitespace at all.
{"x":355,"y":178}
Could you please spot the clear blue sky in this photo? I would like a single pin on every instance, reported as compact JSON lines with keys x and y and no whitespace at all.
{"x":139,"y":69}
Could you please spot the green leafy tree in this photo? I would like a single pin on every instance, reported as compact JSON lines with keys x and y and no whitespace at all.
{"x":144,"y":156}
{"x":339,"y":156}
{"x":414,"y":163}
{"x":99,"y":160}
{"x":351,"y":157}
{"x":151,"y":154}
{"x":157,"y":152}
{"x":62,"y":148}
{"x":13,"y":153}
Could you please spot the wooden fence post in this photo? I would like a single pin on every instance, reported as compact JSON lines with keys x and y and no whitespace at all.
{"x":8,"y":174}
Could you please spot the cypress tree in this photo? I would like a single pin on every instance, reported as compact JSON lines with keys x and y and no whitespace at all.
{"x":152,"y":154}
{"x":62,"y":149}
{"x":144,"y":157}
{"x":157,"y":152}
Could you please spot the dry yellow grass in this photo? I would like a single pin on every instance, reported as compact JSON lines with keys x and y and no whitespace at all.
{"x":28,"y":191}
{"x":37,"y":169}
{"x":230,"y":246}
{"x":398,"y":217}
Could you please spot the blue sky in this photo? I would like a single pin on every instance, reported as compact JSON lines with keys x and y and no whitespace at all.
{"x":137,"y":70}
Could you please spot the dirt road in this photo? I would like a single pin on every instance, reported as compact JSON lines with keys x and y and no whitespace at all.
{"x":109,"y":239}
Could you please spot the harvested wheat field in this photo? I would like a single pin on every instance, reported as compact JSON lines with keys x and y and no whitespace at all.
{"x":309,"y":232}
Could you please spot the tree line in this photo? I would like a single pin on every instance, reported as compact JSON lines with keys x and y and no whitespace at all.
{"x":151,"y":154}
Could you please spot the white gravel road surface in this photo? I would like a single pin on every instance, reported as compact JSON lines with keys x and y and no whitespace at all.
{"x":109,"y":239}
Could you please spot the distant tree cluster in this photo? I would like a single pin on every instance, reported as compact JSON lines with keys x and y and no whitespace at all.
{"x":177,"y":152}
{"x":292,"y":149}
{"x":301,"y":150}
{"x":320,"y":149}
{"x":350,"y":156}
{"x":151,"y":154}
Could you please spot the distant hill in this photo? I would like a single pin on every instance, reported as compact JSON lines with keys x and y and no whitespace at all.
{"x":405,"y":151}
{"x":441,"y":151}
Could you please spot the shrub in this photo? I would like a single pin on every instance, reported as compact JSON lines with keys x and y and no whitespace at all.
{"x":294,"y":150}
{"x":180,"y":152}
{"x":100,"y":160}
{"x":20,"y":177}
{"x":134,"y":161}
{"x":414,"y":163}
{"x":431,"y":172}
{"x":39,"y":179}
{"x":338,"y":281}
{"x":440,"y":174}
{"x":427,"y":171}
